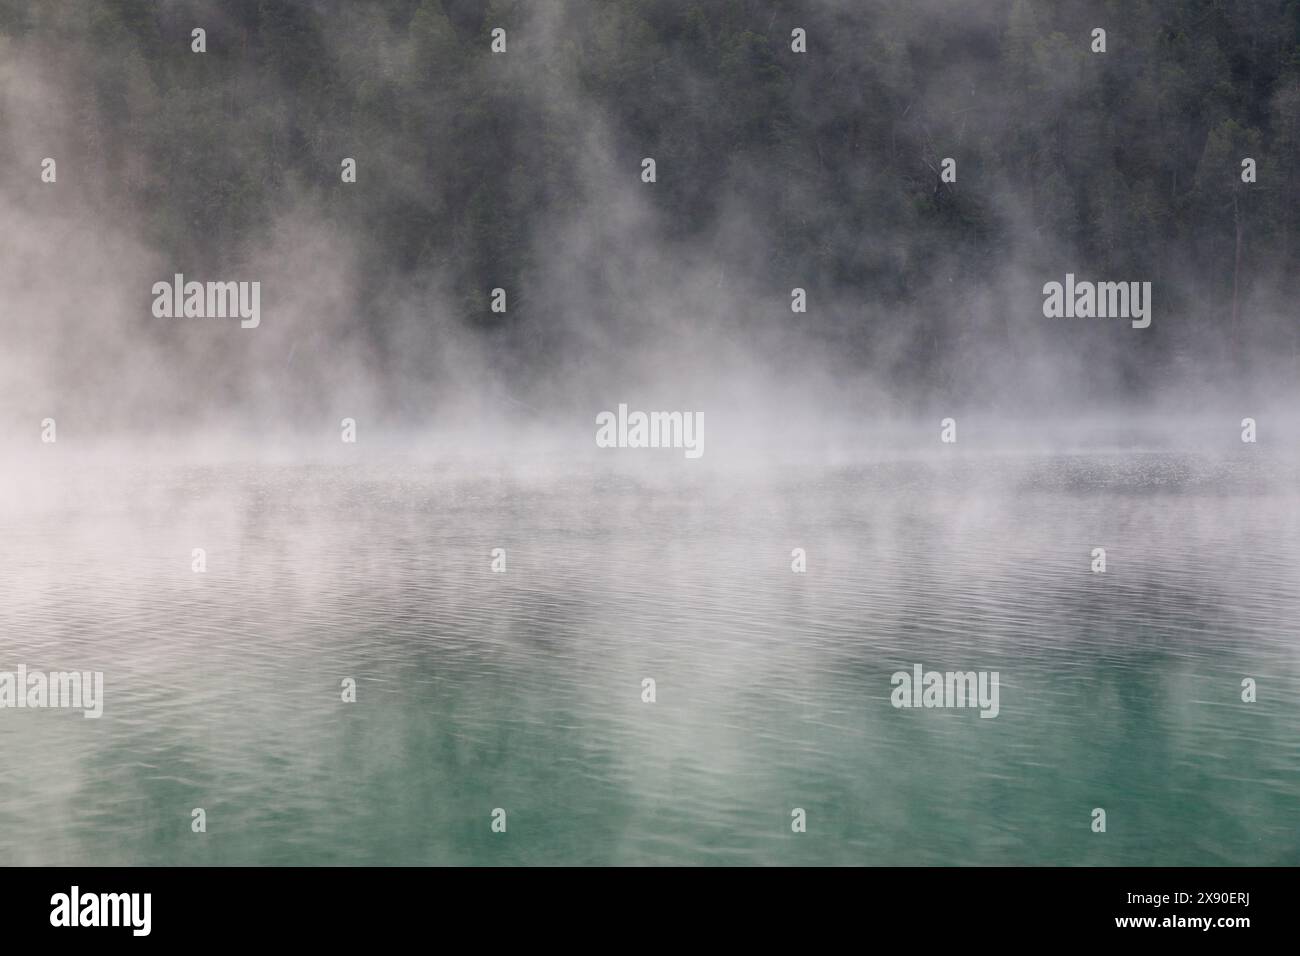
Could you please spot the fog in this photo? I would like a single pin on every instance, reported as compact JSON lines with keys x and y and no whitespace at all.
{"x":379,"y":480}
{"x":224,"y":166}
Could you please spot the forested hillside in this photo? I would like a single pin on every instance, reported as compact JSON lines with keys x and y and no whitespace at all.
{"x":775,"y":169}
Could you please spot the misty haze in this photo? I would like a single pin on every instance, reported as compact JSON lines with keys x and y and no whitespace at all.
{"x":839,"y":432}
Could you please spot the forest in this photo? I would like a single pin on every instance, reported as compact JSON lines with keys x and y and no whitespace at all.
{"x":777,"y":169}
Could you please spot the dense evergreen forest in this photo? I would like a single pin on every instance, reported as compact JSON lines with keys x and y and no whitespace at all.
{"x":775,"y":169}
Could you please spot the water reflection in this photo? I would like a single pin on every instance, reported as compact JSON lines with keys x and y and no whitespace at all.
{"x":523,"y":690}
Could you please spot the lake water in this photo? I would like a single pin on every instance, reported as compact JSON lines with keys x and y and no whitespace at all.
{"x":522,"y":690}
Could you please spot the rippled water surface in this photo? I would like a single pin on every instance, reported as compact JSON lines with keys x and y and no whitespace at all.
{"x":522,"y":690}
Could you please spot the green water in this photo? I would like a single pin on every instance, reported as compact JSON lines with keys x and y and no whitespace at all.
{"x":523,"y":690}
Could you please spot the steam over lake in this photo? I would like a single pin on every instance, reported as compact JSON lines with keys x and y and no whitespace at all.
{"x":479,"y":690}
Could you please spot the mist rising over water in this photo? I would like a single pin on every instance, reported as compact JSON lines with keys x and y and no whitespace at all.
{"x":360,"y":563}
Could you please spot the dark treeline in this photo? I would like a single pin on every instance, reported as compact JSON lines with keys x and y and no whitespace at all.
{"x":775,"y":169}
